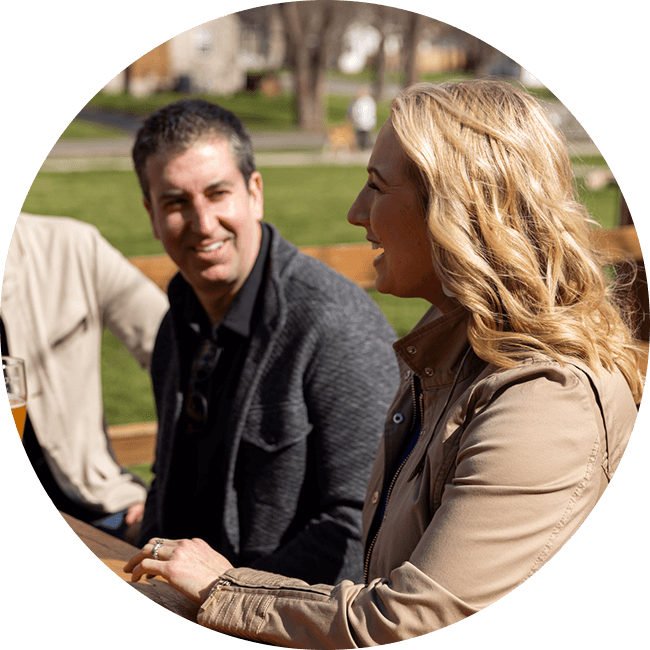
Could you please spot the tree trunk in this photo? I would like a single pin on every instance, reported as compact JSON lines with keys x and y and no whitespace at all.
{"x":308,"y":51}
{"x":380,"y":69}
{"x":411,"y":48}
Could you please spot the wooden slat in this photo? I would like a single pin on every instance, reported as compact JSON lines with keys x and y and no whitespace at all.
{"x":354,"y":261}
{"x":159,"y":268}
{"x":618,"y":244}
{"x":133,"y":444}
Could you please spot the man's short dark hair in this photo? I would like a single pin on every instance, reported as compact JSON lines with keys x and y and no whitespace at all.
{"x":177,"y":126}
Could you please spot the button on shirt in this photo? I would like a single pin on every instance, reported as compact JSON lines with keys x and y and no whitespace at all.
{"x":199,"y":459}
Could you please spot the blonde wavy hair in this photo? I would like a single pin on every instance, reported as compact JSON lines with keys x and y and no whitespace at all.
{"x":509,"y":239}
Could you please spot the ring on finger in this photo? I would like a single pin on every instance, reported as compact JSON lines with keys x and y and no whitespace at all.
{"x":156,"y":547}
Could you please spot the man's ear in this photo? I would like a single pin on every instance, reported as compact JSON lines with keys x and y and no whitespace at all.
{"x":256,"y":195}
{"x":149,"y":209}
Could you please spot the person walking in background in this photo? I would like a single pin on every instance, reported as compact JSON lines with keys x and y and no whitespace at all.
{"x":363,"y":114}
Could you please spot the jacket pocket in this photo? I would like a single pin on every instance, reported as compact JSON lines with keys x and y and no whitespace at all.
{"x":270,"y":477}
{"x":67,"y":332}
{"x":272,"y":428}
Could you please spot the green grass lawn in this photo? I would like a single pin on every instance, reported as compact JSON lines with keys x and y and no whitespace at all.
{"x":309,"y":206}
{"x":85,"y":130}
{"x":110,"y":200}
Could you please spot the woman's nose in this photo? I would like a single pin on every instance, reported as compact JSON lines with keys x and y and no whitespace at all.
{"x":358,"y":213}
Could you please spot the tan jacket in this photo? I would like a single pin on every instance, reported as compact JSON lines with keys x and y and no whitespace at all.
{"x":62,"y":284}
{"x":508,"y":465}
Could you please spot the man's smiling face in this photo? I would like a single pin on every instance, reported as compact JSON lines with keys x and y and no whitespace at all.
{"x":206,"y":217}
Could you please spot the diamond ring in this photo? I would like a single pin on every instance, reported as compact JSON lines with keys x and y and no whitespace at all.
{"x":156,"y":547}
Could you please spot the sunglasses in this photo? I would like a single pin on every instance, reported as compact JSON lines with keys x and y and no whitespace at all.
{"x":196,"y":404}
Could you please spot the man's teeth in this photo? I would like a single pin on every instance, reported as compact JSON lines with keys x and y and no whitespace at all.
{"x":210,"y":247}
{"x":375,"y":246}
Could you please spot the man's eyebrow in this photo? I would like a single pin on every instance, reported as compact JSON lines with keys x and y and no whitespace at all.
{"x":373,"y":170}
{"x":173,"y":193}
{"x":215,"y":185}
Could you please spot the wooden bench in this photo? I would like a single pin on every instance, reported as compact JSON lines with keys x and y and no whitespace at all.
{"x":352,"y":260}
{"x":134,"y":443}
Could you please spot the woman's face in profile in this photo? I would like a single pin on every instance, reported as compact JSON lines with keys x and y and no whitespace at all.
{"x":390,"y":209}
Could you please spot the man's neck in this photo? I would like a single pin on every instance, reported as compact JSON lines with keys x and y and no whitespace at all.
{"x":217,"y":308}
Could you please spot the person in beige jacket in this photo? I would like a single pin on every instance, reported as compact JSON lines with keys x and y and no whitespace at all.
{"x":63,"y":283}
{"x":519,"y":386}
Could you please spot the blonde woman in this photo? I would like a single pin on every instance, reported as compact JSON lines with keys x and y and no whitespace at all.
{"x":519,"y":385}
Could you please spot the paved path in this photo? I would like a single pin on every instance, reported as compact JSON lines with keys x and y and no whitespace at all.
{"x":87,"y":155}
{"x":271,"y":148}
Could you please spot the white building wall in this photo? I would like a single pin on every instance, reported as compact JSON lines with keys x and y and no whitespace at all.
{"x":209,"y":55}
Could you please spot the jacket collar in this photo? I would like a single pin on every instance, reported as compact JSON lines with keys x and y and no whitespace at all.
{"x":436,"y":346}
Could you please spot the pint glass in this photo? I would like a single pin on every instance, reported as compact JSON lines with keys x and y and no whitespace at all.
{"x":13,"y":369}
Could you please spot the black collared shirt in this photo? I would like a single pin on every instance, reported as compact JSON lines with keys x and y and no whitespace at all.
{"x":198,"y":466}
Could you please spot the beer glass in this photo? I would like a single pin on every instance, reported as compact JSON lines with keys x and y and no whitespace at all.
{"x":13,"y":369}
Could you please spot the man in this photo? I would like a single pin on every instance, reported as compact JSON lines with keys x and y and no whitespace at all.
{"x":272,"y":373}
{"x":63,"y":284}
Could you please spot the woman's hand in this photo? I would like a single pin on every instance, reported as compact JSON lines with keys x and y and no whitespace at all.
{"x":189,"y":565}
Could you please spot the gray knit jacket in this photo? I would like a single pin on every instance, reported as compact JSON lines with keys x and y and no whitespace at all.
{"x":319,"y":376}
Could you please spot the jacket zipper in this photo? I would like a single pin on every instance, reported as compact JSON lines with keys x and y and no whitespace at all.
{"x":417,"y":402}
